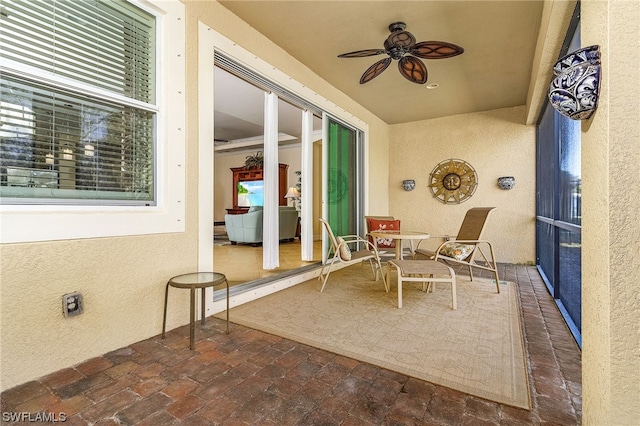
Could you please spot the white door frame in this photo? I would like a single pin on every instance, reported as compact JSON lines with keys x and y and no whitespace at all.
{"x":209,"y":41}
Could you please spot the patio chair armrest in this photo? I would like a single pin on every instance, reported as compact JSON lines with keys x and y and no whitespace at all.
{"x":479,"y":244}
{"x":477,"y":247}
{"x":452,"y":241}
{"x":368,"y":244}
{"x":468,"y":242}
{"x":357,"y":239}
{"x":352,"y":239}
{"x":444,"y":238}
{"x":441,"y":247}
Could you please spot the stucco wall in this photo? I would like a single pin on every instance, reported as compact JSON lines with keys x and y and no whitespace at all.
{"x":122,"y":282}
{"x":611,"y":230}
{"x":496,"y":144}
{"x":122,"y":279}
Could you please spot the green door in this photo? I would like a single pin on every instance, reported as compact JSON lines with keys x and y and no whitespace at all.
{"x":343,"y":190}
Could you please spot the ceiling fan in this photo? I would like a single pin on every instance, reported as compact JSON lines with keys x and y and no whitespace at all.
{"x":401,"y":45}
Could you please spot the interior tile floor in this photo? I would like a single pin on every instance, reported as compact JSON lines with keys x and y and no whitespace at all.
{"x":242,"y":262}
{"x":253,"y":378}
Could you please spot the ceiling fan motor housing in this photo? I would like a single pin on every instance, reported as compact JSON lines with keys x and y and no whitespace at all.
{"x":397,"y":26}
{"x":395,"y":51}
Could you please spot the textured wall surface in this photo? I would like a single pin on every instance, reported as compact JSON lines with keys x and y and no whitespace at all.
{"x":122,"y":279}
{"x":496,"y":144}
{"x":611,"y":230}
{"x":122,"y":282}
{"x":624,"y":112}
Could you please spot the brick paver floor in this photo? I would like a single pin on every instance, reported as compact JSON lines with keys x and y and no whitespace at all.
{"x":254,"y":378}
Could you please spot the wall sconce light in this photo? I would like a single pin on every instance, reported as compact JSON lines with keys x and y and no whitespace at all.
{"x":575,"y":89}
{"x":409,"y":184}
{"x":506,"y":182}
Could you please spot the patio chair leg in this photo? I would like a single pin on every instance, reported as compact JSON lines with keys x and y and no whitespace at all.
{"x":374,"y":271}
{"x":326,"y":277}
{"x":428,"y":288}
{"x":454,"y":303}
{"x":387,"y":274}
{"x":495,"y":272}
{"x":384,"y":281}
{"x":377,"y":269}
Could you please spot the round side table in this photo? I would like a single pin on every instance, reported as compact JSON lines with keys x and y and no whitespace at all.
{"x":193,"y":281}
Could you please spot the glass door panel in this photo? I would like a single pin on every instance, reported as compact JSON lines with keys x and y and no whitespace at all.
{"x":558,"y":204}
{"x":342,"y":178}
{"x":570,"y":269}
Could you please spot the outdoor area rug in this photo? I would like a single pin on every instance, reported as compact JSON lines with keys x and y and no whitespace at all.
{"x":477,"y":349}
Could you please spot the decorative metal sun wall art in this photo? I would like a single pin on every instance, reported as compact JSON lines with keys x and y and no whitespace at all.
{"x":453,"y":181}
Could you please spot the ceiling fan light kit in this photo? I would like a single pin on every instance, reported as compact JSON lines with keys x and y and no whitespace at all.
{"x":401,"y":46}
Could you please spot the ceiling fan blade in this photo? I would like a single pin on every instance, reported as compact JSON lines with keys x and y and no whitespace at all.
{"x":375,"y":70}
{"x":401,"y":39}
{"x":435,"y":50}
{"x":362,"y":53}
{"x":413,"y":69}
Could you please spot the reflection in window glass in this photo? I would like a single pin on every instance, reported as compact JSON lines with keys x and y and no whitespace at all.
{"x":570,"y":175}
{"x":78,"y":111}
{"x":558,"y":204}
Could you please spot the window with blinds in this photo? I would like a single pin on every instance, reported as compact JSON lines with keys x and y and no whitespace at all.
{"x":77,"y":104}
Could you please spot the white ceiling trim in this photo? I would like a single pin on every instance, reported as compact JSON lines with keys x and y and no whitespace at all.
{"x":249,"y":60}
{"x":249,"y":142}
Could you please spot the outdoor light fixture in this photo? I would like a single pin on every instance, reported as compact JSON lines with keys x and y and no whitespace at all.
{"x":409,"y":184}
{"x":506,"y":182}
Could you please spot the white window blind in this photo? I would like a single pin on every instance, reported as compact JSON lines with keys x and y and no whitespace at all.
{"x":78,"y":113}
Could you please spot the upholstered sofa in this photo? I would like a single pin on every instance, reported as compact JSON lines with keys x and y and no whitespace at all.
{"x":247,"y":228}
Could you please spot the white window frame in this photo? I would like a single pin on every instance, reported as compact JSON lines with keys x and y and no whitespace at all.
{"x":31,"y":223}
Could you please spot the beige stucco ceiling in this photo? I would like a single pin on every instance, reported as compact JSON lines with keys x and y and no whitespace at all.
{"x":499,"y":38}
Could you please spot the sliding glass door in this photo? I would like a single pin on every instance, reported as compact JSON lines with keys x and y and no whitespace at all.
{"x":558,"y":205}
{"x":343,"y":189}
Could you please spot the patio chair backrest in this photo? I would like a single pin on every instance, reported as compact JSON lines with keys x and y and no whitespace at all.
{"x":473,"y":223}
{"x":332,"y":238}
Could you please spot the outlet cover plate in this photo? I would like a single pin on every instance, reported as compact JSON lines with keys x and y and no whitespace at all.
{"x":72,"y":304}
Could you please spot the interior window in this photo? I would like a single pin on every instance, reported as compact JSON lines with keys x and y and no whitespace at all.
{"x":79,"y":107}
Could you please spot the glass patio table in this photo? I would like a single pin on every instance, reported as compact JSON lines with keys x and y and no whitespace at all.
{"x":192,"y":282}
{"x":399,"y":236}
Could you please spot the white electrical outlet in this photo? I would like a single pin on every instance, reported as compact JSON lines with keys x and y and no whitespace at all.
{"x":72,"y":304}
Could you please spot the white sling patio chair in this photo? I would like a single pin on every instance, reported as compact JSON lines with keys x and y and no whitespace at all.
{"x":467,"y":248}
{"x":341,"y":253}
